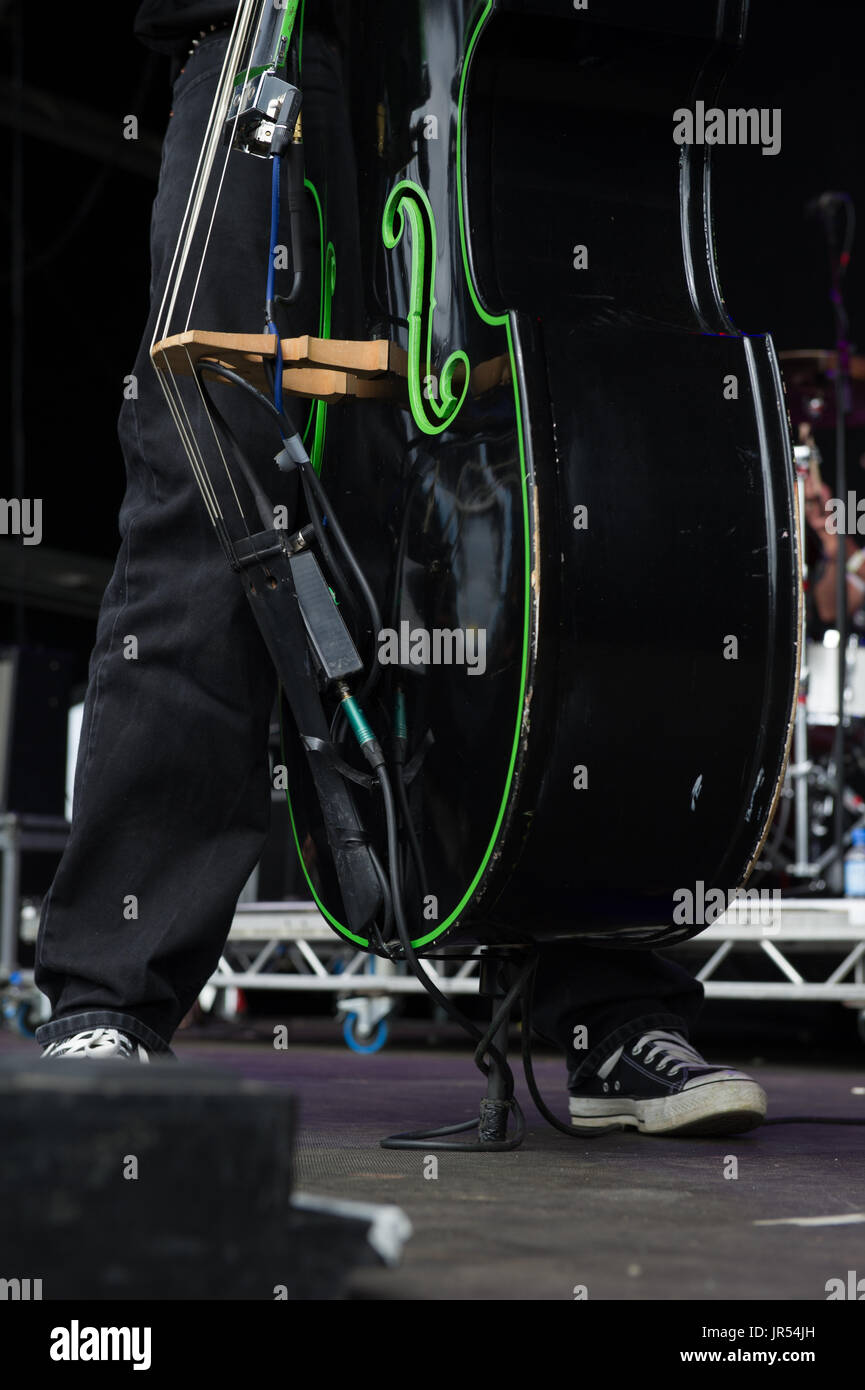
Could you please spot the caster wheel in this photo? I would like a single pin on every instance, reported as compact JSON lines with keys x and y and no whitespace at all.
{"x":372,"y":1044}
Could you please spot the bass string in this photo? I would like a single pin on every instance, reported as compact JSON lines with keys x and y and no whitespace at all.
{"x":206,"y":405}
{"x":224,"y":93}
{"x":190,"y":444}
{"x":230,"y":67}
{"x":168,"y":382}
{"x":238,"y":46}
{"x":204,"y":166}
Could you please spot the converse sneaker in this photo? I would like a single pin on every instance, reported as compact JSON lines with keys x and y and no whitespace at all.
{"x":99,"y":1042}
{"x":658,"y":1083}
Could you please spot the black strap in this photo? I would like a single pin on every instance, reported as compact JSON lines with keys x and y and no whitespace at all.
{"x":329,"y":753}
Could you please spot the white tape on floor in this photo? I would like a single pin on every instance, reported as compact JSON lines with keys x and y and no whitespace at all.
{"x":849,"y":1218}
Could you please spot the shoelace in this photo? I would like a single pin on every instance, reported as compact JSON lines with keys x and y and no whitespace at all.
{"x":673,"y":1048}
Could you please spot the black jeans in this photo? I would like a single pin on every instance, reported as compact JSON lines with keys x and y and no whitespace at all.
{"x":172,"y":789}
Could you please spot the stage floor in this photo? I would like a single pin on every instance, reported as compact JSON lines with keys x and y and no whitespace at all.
{"x":626,"y":1216}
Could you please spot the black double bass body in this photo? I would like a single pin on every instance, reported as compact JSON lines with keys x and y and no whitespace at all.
{"x":579,"y":516}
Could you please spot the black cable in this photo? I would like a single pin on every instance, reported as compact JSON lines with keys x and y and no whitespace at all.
{"x":327,"y":554}
{"x":360,"y":577}
{"x":411,"y":835}
{"x":294,"y":190}
{"x":528,"y":1068}
{"x":813,"y":1120}
{"x":263,"y":503}
{"x":399,"y":913}
{"x":308,"y":477}
{"x":388,"y":904}
{"x":282,"y":417}
{"x":420,"y":1139}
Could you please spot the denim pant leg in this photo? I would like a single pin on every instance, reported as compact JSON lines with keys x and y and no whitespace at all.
{"x":612,"y":994}
{"x":172,"y":792}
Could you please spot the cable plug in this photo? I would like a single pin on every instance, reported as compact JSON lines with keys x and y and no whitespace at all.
{"x":291,"y":454}
{"x":366,"y":739}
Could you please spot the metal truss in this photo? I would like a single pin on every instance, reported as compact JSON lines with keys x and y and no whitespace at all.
{"x":800,"y":927}
{"x":290,"y":946}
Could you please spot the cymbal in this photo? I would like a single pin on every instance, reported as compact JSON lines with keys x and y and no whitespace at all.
{"x":809,"y":375}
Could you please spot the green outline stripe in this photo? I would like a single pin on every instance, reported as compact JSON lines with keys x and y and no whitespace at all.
{"x":327,"y":292}
{"x":408,"y":202}
{"x":317,"y":417}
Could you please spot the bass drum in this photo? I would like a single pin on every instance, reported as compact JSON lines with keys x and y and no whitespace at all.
{"x":576,"y":508}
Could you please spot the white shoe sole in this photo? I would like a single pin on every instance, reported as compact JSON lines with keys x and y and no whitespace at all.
{"x":95,"y":1054}
{"x":92,"y":1057}
{"x":719,"y":1107}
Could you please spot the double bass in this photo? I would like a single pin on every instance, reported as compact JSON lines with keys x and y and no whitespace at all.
{"x":562,"y":473}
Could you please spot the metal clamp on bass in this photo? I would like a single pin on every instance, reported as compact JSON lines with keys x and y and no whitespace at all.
{"x":263,"y":116}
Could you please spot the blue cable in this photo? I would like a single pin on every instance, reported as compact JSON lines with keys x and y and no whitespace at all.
{"x":271,"y":273}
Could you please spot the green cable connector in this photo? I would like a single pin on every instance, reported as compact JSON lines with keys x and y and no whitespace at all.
{"x":367,"y":740}
{"x":359,"y":727}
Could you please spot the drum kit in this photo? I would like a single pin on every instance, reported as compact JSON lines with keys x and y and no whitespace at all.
{"x":800,"y":850}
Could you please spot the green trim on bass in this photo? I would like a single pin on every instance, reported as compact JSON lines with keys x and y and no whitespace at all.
{"x":408,"y":202}
{"x":317,"y":418}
